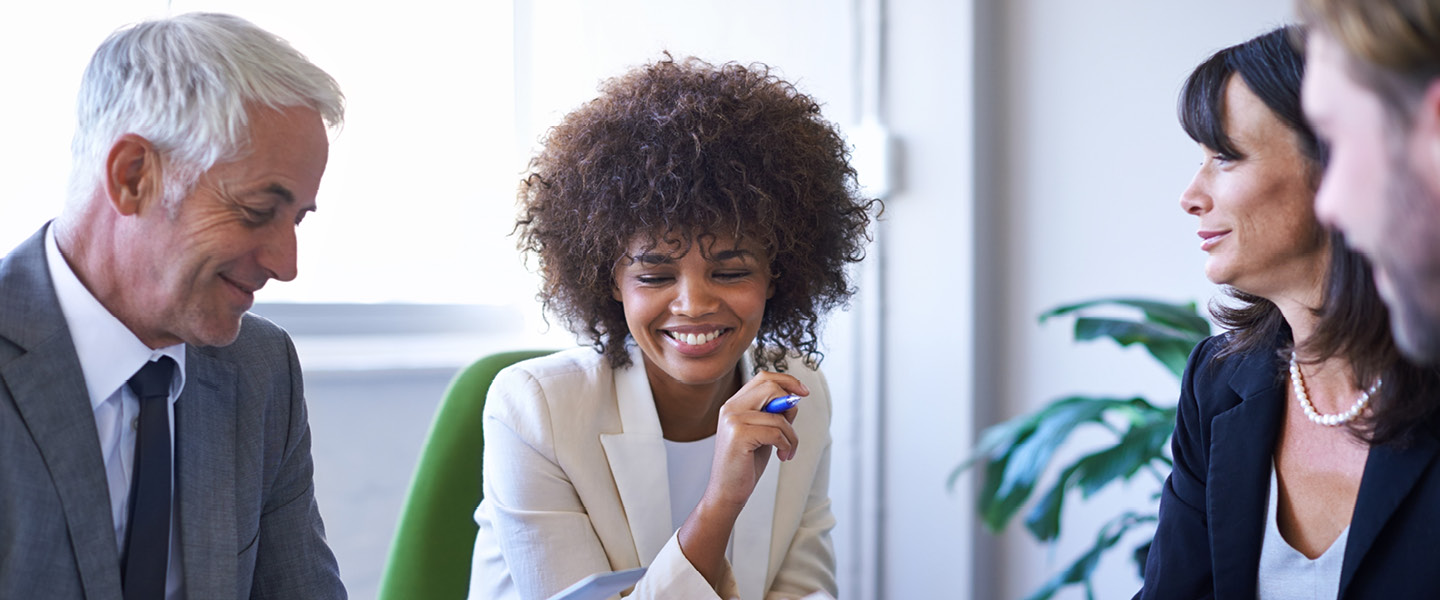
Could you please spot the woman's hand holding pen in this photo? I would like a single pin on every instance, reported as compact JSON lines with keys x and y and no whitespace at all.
{"x":746,"y":433}
{"x":743,"y":439}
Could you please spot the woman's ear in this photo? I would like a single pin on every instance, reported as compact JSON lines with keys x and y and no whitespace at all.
{"x":132,"y":175}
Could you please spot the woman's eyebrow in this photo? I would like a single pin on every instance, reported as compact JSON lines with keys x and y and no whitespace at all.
{"x":731,"y":254}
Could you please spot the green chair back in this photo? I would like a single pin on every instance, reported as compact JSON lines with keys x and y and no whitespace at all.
{"x":430,"y":555}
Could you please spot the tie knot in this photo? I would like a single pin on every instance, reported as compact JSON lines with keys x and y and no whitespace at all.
{"x":153,"y":379}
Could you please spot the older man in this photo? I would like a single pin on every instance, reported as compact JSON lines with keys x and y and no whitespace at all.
{"x":153,"y":436}
{"x":1372,"y":89}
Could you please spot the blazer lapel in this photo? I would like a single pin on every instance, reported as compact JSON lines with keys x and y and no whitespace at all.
{"x":205,"y":454}
{"x":1390,"y":473}
{"x":756,"y":523}
{"x":753,"y":529}
{"x":637,"y":462}
{"x":1242,"y":442}
{"x":49,"y":392}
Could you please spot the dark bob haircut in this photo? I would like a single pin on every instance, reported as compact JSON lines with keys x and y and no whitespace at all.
{"x":680,"y":150}
{"x":1352,"y":321}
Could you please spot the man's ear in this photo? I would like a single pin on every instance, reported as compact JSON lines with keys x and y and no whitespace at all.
{"x":133,"y":175}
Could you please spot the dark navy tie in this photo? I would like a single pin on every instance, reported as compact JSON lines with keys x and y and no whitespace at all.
{"x":142,"y":570}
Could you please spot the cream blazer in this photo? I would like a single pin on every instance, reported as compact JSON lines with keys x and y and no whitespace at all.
{"x":575,"y":483}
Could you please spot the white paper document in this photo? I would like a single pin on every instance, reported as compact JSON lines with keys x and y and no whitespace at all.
{"x":601,"y":585}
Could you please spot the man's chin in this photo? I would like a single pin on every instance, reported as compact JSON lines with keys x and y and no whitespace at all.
{"x":1418,"y":346}
{"x":214,"y":334}
{"x":1416,"y":329}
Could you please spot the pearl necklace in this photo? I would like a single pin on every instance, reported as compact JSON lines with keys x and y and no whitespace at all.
{"x":1298,"y":382}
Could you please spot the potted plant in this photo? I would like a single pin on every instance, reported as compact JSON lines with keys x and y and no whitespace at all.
{"x":1014,"y":455}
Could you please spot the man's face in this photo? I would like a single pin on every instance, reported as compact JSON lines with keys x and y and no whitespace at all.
{"x":1371,"y":191}
{"x":198,"y":269}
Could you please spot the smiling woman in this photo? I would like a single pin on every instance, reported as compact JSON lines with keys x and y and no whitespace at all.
{"x":693,"y":224}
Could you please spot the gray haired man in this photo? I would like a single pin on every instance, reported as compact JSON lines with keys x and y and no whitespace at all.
{"x":154,"y":435}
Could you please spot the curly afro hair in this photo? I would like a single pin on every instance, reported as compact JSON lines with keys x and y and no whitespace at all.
{"x":685,"y":150}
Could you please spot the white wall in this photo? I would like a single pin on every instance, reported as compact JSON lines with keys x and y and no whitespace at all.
{"x":929,"y":265}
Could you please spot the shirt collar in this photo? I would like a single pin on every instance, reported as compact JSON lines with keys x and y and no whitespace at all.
{"x":109,"y":352}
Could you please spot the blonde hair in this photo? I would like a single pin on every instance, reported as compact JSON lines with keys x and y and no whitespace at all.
{"x":1393,"y":46}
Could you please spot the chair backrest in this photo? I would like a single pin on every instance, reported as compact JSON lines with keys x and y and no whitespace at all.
{"x":430,"y":555}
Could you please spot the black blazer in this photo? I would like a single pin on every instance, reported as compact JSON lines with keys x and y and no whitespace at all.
{"x":1212,"y":510}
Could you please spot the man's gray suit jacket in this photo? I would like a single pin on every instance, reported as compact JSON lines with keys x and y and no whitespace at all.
{"x":249,"y":526}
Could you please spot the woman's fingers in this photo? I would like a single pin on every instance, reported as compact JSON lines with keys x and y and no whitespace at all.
{"x":766,"y":386}
{"x":763,"y":429}
{"x":746,"y":434}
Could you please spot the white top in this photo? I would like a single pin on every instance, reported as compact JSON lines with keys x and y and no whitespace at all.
{"x":1286,"y":573}
{"x":110,"y":355}
{"x":688,"y":465}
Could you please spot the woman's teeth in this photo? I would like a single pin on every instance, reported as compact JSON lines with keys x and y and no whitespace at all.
{"x":694,"y":339}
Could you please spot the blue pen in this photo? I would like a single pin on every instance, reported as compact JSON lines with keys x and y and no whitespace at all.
{"x":781,"y":404}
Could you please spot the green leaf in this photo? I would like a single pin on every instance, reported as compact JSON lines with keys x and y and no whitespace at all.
{"x":1168,"y":345}
{"x":1043,"y":521}
{"x":1084,"y":566}
{"x":1016,"y":453}
{"x":1141,"y":444}
{"x":1184,"y":317}
{"x":1168,"y":331}
{"x":1012,"y":469}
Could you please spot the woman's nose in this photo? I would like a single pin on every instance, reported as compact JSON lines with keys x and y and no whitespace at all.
{"x":1195,"y":199}
{"x":694,"y":298}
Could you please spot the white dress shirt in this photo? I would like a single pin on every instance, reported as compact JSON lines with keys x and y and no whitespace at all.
{"x":109,"y":355}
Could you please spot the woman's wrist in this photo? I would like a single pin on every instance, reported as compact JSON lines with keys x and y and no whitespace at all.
{"x":705,"y":535}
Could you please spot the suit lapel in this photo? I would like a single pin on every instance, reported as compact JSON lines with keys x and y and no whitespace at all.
{"x":1242,"y":444}
{"x":50,"y":395}
{"x":205,"y":454}
{"x":1390,"y":473}
{"x":637,"y":462}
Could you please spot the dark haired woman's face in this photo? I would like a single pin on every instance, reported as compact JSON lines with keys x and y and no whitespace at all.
{"x":693,"y":314}
{"x":1257,"y":220}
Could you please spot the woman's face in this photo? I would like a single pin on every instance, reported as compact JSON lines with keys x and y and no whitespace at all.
{"x":693,"y":311}
{"x":1257,"y":218}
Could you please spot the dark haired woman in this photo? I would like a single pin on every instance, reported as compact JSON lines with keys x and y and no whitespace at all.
{"x":1304,"y":448}
{"x":693,"y":224}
